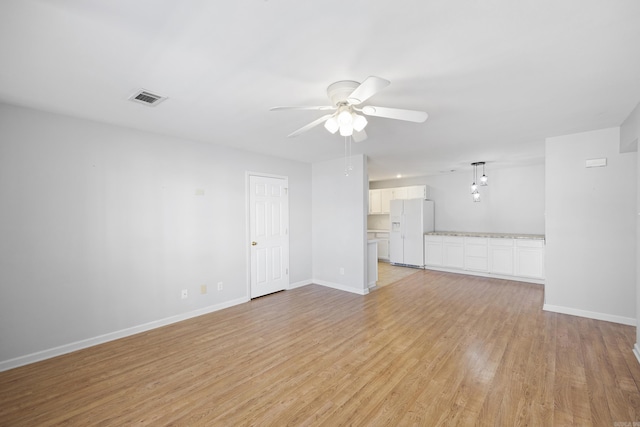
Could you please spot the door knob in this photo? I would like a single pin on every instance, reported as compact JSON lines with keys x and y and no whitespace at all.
{"x":254,"y":243}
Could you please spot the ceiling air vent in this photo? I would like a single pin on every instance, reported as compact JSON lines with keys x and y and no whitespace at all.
{"x":147,"y":98}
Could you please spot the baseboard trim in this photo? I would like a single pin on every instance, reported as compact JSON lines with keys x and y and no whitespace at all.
{"x":341,"y":287}
{"x":101,"y":339}
{"x":636,"y":351}
{"x":590,"y":314}
{"x":481,"y":274}
{"x":300,"y":284}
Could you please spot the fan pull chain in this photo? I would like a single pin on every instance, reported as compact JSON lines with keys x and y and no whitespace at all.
{"x":348,"y":166}
{"x":350,"y":144}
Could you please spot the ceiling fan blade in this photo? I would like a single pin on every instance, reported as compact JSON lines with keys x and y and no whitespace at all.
{"x":395,"y":113}
{"x":310,"y":125}
{"x":369,"y":87}
{"x":320,"y":108}
{"x":359,"y":136}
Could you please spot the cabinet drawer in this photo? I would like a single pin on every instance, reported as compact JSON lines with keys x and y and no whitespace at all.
{"x":433,"y":239}
{"x":523,"y":243}
{"x":453,"y":240}
{"x":501,"y":242}
{"x":476,"y":240}
{"x":475,"y":247}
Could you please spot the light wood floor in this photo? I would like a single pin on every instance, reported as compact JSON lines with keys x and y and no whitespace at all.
{"x":433,"y":349}
{"x":388,"y":274}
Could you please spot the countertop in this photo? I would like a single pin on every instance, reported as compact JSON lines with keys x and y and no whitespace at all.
{"x":488,"y":235}
{"x":377,"y":231}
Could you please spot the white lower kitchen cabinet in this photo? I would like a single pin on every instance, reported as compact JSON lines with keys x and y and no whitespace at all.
{"x":433,"y":253}
{"x":501,"y":256}
{"x":453,"y":252}
{"x":506,"y":256}
{"x":476,"y":254}
{"x":383,"y":248}
{"x":383,"y":242}
{"x":530,"y":258}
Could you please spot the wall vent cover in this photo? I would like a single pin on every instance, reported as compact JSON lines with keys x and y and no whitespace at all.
{"x":147,"y":98}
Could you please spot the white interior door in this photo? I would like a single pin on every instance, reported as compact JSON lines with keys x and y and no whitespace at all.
{"x":269,"y":233}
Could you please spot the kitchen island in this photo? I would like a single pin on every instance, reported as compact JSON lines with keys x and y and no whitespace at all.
{"x":509,"y":256}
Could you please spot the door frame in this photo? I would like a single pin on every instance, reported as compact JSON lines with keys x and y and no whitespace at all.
{"x":247,"y":193}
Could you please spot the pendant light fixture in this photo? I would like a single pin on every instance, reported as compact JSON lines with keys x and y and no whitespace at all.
{"x":483,"y":180}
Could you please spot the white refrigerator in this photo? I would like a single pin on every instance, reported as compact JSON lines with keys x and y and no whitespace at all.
{"x":410,"y":219}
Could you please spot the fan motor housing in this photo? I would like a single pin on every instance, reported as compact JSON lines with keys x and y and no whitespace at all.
{"x":339,"y":91}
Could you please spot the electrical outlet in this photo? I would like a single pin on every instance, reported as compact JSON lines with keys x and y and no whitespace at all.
{"x":342,"y":271}
{"x":185,"y":293}
{"x":203,"y":289}
{"x":219,"y":286}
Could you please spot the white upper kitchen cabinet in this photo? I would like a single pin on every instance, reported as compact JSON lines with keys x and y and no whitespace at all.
{"x":386,"y":195}
{"x":375,"y":206}
{"x":380,"y":198}
{"x":417,"y":192}
{"x":399,"y":193}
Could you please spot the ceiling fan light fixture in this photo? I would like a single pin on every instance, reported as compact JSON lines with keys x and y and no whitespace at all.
{"x":359,"y":122}
{"x":331,"y":125}
{"x":344,"y":118}
{"x":346,"y":130}
{"x":348,"y":115}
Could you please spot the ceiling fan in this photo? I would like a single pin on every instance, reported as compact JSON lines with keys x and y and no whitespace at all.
{"x":347,"y":97}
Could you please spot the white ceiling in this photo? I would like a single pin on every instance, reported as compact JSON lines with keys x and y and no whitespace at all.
{"x":495,"y":76}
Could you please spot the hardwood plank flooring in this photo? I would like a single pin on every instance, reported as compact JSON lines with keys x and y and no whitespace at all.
{"x":389,"y":273}
{"x":431,"y":349}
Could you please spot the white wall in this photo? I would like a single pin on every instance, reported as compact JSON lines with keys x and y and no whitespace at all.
{"x":590,"y":227}
{"x":513,"y":202}
{"x":339,"y":224}
{"x":629,"y":135}
{"x":630,"y":131}
{"x":101,"y":228}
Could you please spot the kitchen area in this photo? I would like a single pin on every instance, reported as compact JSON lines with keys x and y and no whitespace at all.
{"x":389,"y":221}
{"x":401,"y":223}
